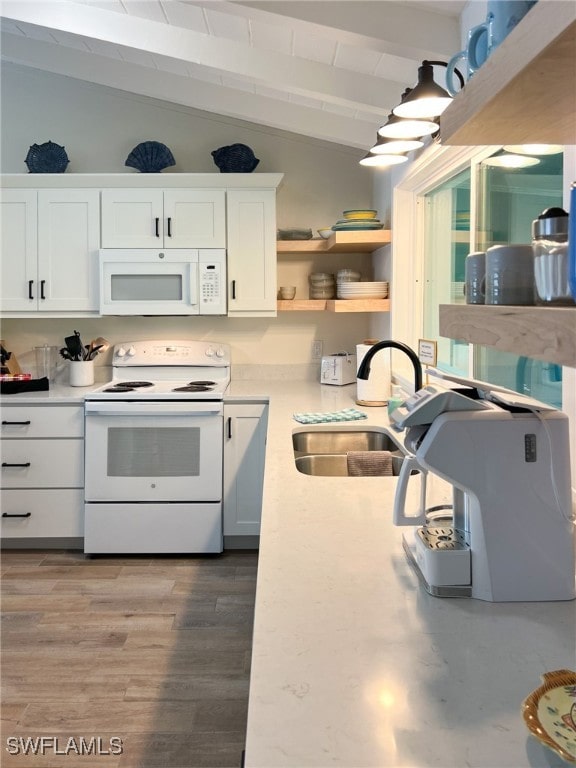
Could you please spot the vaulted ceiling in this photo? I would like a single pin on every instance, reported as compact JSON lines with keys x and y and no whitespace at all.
{"x":330,"y":70}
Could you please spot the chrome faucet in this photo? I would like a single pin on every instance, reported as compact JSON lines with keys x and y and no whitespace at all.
{"x":364,"y":369}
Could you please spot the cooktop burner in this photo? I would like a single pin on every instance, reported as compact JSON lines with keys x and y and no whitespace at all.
{"x":128,"y":386}
{"x":202,"y":383}
{"x":136,"y":384}
{"x":193,"y":387}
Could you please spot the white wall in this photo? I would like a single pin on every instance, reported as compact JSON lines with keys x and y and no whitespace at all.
{"x":99,"y":126}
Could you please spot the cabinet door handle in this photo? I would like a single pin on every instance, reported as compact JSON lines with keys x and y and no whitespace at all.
{"x":157,"y":220}
{"x":42,"y":284}
{"x":233,"y":289}
{"x":229,"y":427}
{"x":6,"y":464}
{"x":15,"y":514}
{"x":21,"y":423}
{"x":169,"y":225}
{"x":30,"y":284}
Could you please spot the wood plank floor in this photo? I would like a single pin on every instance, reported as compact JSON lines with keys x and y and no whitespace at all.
{"x":152,"y":651}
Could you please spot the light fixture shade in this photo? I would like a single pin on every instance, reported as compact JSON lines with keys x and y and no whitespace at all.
{"x":399,"y":128}
{"x":382,"y":160}
{"x":535,"y":149}
{"x":510,"y":161}
{"x":385,"y":146}
{"x":426,"y":99}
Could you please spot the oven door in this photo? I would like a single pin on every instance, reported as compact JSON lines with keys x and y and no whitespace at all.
{"x":141,"y":451}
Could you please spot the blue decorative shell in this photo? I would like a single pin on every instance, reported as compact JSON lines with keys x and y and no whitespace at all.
{"x":237,"y":158}
{"x":150,"y":157}
{"x":46,"y":158}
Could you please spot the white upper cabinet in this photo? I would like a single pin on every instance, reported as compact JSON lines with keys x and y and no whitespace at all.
{"x":156,"y":218}
{"x":68,"y":242}
{"x":50,"y":241}
{"x":251,"y":219}
{"x":19,"y":242}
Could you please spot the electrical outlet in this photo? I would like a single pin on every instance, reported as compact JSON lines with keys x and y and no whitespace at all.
{"x":316,"y":349}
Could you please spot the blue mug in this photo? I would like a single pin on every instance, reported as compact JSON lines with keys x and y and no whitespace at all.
{"x":472,"y":57}
{"x":502,"y":17}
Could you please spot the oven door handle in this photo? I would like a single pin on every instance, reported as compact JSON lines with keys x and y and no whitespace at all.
{"x":135,"y":408}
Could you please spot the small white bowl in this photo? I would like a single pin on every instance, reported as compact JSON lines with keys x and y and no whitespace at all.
{"x":325,"y":233}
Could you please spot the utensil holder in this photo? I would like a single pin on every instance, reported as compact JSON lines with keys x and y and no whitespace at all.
{"x":81,"y":373}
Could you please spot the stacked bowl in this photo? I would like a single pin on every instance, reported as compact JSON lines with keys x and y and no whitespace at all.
{"x":358,"y":219}
{"x":322,"y":285}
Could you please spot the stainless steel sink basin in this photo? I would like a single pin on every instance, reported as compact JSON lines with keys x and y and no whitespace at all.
{"x":333,"y":465}
{"x":322,"y":452}
{"x":341,"y":441}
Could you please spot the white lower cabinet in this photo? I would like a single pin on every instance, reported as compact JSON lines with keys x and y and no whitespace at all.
{"x":42,"y":473}
{"x":245,"y":428}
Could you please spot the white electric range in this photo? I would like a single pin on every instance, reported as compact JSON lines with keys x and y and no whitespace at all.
{"x":154,"y":449}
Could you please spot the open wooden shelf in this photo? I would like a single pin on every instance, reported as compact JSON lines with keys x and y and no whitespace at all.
{"x":524,"y":93}
{"x":357,"y":241}
{"x":334,"y":305}
{"x":545,"y":333}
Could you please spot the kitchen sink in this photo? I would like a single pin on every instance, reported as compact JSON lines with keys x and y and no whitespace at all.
{"x":341,"y":441}
{"x":322,"y":452}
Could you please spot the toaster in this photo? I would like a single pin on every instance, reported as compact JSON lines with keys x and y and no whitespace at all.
{"x":339,"y":369}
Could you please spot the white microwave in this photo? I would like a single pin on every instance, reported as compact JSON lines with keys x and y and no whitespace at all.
{"x":178,"y":281}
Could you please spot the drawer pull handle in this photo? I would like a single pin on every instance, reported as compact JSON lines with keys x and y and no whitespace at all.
{"x":233,"y":289}
{"x":169,"y":222}
{"x":229,"y":424}
{"x":22,"y":423}
{"x":30,"y":284}
{"x":6,"y":464}
{"x":42,"y":285}
{"x":14,"y":514}
{"x":157,"y":226}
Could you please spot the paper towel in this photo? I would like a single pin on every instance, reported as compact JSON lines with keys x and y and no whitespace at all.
{"x":376,"y":389}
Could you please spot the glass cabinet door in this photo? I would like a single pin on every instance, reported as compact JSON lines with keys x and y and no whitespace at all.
{"x":509,"y":199}
{"x":447,"y":243}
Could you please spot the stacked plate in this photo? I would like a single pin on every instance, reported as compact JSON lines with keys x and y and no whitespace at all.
{"x":358,"y":290}
{"x":357,"y":219}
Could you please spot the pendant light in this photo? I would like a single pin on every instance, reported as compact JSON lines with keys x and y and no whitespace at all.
{"x":534,"y":149}
{"x":400,"y":128}
{"x":382,"y":160}
{"x":426,"y":99}
{"x":385,"y":146}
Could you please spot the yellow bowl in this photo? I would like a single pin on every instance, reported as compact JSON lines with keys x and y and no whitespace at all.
{"x":360,"y":214}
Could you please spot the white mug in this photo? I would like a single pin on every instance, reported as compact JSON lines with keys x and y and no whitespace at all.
{"x":81,"y":373}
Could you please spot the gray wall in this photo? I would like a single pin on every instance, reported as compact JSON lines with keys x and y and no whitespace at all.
{"x":99,"y":126}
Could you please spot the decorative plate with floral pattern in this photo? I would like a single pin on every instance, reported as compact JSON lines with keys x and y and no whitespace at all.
{"x":550,"y":712}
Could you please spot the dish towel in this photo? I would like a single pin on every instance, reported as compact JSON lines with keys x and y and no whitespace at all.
{"x":347,"y":414}
{"x":369,"y":463}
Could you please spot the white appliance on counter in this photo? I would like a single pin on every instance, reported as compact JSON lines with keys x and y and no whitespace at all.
{"x":338,"y":369}
{"x":511,"y":536}
{"x":181,"y":281}
{"x":154,"y":450}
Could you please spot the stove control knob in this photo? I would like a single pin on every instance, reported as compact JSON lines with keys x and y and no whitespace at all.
{"x":120,"y":352}
{"x":131,"y":351}
{"x":220,"y":352}
{"x":210,"y":352}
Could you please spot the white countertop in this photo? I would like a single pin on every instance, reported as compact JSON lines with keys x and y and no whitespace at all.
{"x":353,"y":663}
